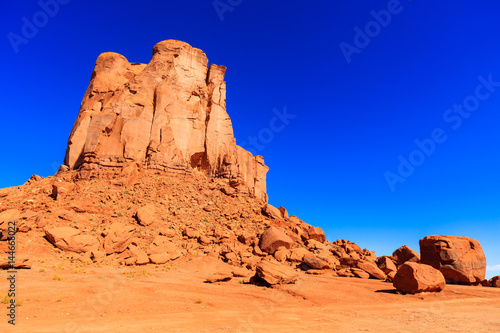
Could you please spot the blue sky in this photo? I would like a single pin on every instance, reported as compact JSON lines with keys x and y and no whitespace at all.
{"x":360,"y":82}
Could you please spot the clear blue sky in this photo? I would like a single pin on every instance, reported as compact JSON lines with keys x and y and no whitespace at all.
{"x":361,"y":99}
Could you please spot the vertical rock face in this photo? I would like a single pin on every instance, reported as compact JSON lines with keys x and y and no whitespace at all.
{"x":168,"y":115}
{"x":460,"y":259}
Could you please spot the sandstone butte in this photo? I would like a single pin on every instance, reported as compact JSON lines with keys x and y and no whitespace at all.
{"x":169,"y":114}
{"x":153,"y":176}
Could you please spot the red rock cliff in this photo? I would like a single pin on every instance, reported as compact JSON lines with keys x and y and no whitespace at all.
{"x":167,"y":115}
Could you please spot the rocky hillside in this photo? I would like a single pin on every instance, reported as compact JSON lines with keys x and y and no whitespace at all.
{"x":153,"y":175}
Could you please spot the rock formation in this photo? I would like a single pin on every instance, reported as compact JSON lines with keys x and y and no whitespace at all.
{"x":460,"y":259}
{"x":167,"y":115}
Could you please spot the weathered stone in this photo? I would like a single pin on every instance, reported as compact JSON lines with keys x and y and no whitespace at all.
{"x":273,"y":238}
{"x":413,"y":278}
{"x":297,"y":254}
{"x":284,"y":212}
{"x":271,"y":212}
{"x":314,"y":262}
{"x":372,"y":269}
{"x":386,"y":264}
{"x":275,"y":273}
{"x":404,"y":254}
{"x":460,"y":259}
{"x":146,"y":215}
{"x":159,"y":258}
{"x":317,"y":234}
{"x":60,"y":190}
{"x":495,"y":281}
{"x":7,"y":216}
{"x":69,"y":239}
{"x":360,"y":273}
{"x":141,"y":256}
{"x":219,"y":277}
{"x":118,"y":238}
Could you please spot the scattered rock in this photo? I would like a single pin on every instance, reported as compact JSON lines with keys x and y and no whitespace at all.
{"x":146,"y":215}
{"x":495,"y":281}
{"x":241,"y":272}
{"x":118,"y":237}
{"x":275,"y":273}
{"x":273,"y":238}
{"x":281,"y":255}
{"x":386,"y":264}
{"x":284,"y":212}
{"x":360,"y":273}
{"x":10,"y":215}
{"x":317,"y":234}
{"x":159,"y":258}
{"x":272,"y":212}
{"x":345,"y":272}
{"x":229,"y":191}
{"x":60,"y":190}
{"x":314,"y":262}
{"x":219,"y":277}
{"x":69,"y":239}
{"x":191,"y":233}
{"x":372,"y":269}
{"x":413,"y":278}
{"x":297,"y":254}
{"x":141,"y":258}
{"x":19,"y":262}
{"x":404,"y":254}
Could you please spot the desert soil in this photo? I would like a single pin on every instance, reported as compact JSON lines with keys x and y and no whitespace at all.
{"x":100,"y":298}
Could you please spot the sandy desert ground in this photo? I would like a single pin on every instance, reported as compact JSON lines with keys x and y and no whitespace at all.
{"x":176,"y":299}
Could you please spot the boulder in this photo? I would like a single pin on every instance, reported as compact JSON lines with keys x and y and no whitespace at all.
{"x":386,"y":264}
{"x":317,"y":234}
{"x":191,"y":233}
{"x":275,"y":273}
{"x":117,"y":238}
{"x":297,"y":254}
{"x":272,"y":212}
{"x":360,"y":273}
{"x":460,"y":259}
{"x":19,"y":262}
{"x":404,"y":254}
{"x":346,"y":272}
{"x":284,"y":212}
{"x":495,"y":281}
{"x":146,"y":215}
{"x":9,"y":215}
{"x":314,"y":262}
{"x":168,"y":115}
{"x":281,"y":255}
{"x":141,"y":256}
{"x":371,"y":268}
{"x":60,"y":190}
{"x":159,"y":258}
{"x":219,"y":277}
{"x":69,"y":239}
{"x":413,"y":278}
{"x":273,"y":238}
